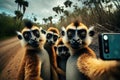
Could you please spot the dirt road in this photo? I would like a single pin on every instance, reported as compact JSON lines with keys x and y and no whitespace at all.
{"x":11,"y":54}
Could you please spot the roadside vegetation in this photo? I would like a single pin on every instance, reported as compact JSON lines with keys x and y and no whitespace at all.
{"x":105,"y":13}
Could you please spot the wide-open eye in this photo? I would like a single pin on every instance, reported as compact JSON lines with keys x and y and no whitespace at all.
{"x":27,"y":35}
{"x":82,"y":33}
{"x":65,"y":48}
{"x":70,"y":33}
{"x":55,"y":37}
{"x":36,"y":33}
{"x":59,"y":49}
{"x":49,"y":35}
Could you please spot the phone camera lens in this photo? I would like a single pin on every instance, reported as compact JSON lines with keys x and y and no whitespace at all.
{"x":105,"y":37}
{"x":106,"y":50}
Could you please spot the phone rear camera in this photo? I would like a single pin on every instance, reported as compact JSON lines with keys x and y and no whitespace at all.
{"x":106,"y":50}
{"x":105,"y":37}
{"x":106,"y":43}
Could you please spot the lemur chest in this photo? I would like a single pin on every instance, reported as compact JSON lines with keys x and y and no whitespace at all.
{"x":40,"y":57}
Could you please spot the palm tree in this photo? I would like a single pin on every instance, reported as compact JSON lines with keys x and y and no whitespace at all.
{"x":66,"y":13}
{"x":25,"y":4}
{"x":18,"y":14}
{"x":45,"y":20}
{"x":68,"y":3}
{"x":58,"y":9}
{"x":19,"y":2}
{"x":50,"y":19}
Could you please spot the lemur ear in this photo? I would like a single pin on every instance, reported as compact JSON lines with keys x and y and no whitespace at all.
{"x":91,"y":31}
{"x":62,"y":33}
{"x":19,"y":35}
{"x":43,"y":31}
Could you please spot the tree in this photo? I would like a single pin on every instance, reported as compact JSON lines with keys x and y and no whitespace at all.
{"x":19,"y":2}
{"x":68,"y":3}
{"x":58,"y":9}
{"x":50,"y":19}
{"x":66,"y":13}
{"x":18,"y":14}
{"x":45,"y":20}
{"x":25,"y":4}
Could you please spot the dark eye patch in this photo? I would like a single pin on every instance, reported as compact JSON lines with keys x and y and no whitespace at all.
{"x":36,"y":33}
{"x":82,"y":33}
{"x":65,"y":48}
{"x":55,"y":37}
{"x":49,"y":35}
{"x":70,"y":33}
{"x":62,"y":48}
{"x":27,"y":35}
{"x":59,"y":49}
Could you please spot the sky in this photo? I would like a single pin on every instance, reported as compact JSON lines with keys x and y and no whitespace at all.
{"x":40,"y":8}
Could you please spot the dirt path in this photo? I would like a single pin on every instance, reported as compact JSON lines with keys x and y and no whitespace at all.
{"x":11,"y":54}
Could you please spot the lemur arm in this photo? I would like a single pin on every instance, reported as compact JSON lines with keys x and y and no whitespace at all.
{"x":58,"y":70}
{"x":94,"y":68}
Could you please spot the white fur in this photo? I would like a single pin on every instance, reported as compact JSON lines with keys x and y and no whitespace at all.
{"x":91,"y":28}
{"x":88,"y":39}
{"x":42,"y":37}
{"x":64,"y":38}
{"x":22,"y":41}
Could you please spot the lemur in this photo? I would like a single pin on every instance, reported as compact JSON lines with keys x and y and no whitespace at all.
{"x":52,"y":37}
{"x":35,"y":64}
{"x":77,"y":38}
{"x":62,"y":55}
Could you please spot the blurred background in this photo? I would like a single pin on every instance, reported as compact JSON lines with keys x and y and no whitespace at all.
{"x":102,"y":13}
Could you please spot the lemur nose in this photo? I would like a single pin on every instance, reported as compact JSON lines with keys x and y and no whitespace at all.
{"x":35,"y":39}
{"x":76,"y":40}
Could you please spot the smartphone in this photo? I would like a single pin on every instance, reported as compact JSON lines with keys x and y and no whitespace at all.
{"x":109,"y":46}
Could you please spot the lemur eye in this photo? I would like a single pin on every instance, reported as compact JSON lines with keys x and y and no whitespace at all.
{"x":55,"y":37}
{"x":27,"y":35}
{"x":59,"y":49}
{"x":49,"y":35}
{"x":82,"y":33}
{"x":70,"y":33}
{"x":65,"y":48}
{"x":36,"y":33}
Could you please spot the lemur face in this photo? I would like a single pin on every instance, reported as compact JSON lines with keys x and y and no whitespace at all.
{"x":52,"y":35}
{"x":77,"y":35}
{"x":51,"y":38}
{"x":31,"y":37}
{"x":63,"y":51}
